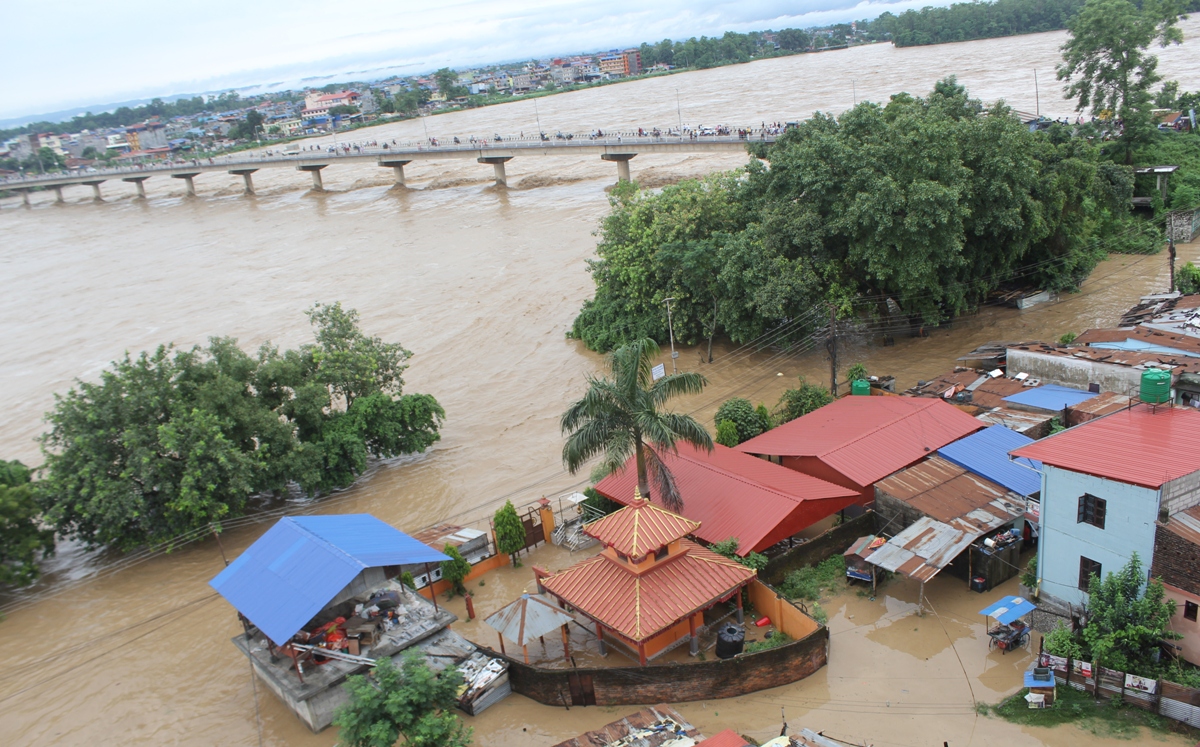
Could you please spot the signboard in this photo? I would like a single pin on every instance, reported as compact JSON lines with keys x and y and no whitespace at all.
{"x":1133,"y":682}
{"x":658,"y":371}
{"x":1054,"y":662}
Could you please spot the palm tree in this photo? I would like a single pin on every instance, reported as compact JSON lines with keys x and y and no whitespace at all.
{"x":621,"y":416}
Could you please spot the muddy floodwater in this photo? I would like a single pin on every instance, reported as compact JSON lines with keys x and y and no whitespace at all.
{"x":481,"y":284}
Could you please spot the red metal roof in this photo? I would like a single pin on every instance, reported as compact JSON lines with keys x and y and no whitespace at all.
{"x":640,"y":528}
{"x":1138,"y":446}
{"x":732,"y":494}
{"x":727,"y":738}
{"x":641,"y":606}
{"x":867,"y":438}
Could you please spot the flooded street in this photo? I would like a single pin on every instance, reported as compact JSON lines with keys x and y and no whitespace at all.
{"x":481,"y":284}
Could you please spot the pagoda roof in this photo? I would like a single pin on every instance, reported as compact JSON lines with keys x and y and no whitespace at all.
{"x":640,"y":528}
{"x":639,"y":606}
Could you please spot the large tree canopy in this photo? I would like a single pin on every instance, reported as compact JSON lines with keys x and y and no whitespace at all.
{"x":23,"y":540}
{"x":171,"y":441}
{"x":932,"y":202}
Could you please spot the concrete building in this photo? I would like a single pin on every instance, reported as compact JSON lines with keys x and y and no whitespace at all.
{"x":620,"y":64}
{"x":1105,"y":484}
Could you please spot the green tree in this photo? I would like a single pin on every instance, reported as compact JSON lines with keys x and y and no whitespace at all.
{"x":799,"y":402}
{"x":793,"y":40}
{"x":455,"y":569}
{"x":343,"y":110}
{"x":409,"y":703}
{"x":1187,"y":279}
{"x":23,"y":541}
{"x":1107,"y":67}
{"x":743,"y":415}
{"x":728,"y":548}
{"x":727,"y":433}
{"x":622,"y":416}
{"x":1127,"y":618}
{"x":510,"y":532}
{"x":447,"y":83}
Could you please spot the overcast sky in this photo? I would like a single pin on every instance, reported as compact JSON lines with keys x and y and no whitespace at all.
{"x":86,"y":53}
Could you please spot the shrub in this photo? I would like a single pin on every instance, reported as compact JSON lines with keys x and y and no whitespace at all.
{"x":728,"y":548}
{"x":809,"y":582}
{"x":510,"y":532}
{"x":1067,"y":338}
{"x":1187,"y":279}
{"x":727,"y":433}
{"x":741,"y":413}
{"x":455,"y":570}
{"x":1029,"y":578}
{"x":774,"y":640}
{"x":798,"y":402}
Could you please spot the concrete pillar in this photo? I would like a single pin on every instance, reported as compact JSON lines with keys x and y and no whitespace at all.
{"x":694,"y":647}
{"x":315,"y":170}
{"x":58,"y":194}
{"x":187,"y":180}
{"x":25,"y":197}
{"x":622,"y":160}
{"x":141,"y":187}
{"x":245,"y":174}
{"x":398,"y":168}
{"x":497,"y":163}
{"x":600,"y":636}
{"x":96,"y":191}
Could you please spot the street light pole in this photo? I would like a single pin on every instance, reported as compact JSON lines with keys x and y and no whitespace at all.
{"x":679,"y":112}
{"x":671,"y":329}
{"x":538,"y":117}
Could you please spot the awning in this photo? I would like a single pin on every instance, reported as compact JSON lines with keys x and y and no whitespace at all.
{"x":527,"y":619}
{"x":926,"y":547}
{"x":1009,"y":609}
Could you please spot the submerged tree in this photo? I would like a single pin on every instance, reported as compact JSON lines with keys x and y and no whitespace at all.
{"x":622,"y":416}
{"x":409,"y":705}
{"x":23,"y":540}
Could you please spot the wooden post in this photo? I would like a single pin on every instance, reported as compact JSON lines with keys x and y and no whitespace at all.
{"x":525,"y":649}
{"x":428,"y":575}
{"x":1069,"y":664}
{"x":642,"y":653}
{"x":566,"y":642}
{"x":921,"y":601}
{"x":741,"y":618}
{"x":501,"y":637}
{"x":600,"y":636}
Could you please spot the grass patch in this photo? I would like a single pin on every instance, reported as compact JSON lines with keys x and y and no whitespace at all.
{"x":1104,"y":718}
{"x":809,"y":582}
{"x":775,"y":640}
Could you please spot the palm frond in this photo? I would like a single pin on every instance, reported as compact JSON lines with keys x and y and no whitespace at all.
{"x":664,"y":481}
{"x":676,"y":384}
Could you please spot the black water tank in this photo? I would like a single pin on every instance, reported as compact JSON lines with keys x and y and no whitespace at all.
{"x":730,"y":639}
{"x":979,"y":583}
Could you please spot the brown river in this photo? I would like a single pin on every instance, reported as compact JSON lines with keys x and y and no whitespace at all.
{"x":481,"y":283}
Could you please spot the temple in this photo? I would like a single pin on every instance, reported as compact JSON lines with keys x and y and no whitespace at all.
{"x":649,"y":587}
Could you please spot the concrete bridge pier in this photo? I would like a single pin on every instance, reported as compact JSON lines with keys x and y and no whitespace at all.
{"x":187,"y":180}
{"x":398,"y":167}
{"x":245,"y":174}
{"x":497,"y":163}
{"x":622,"y":160}
{"x":25,"y":197}
{"x":315,"y":170}
{"x":58,"y":194}
{"x":139,"y":182}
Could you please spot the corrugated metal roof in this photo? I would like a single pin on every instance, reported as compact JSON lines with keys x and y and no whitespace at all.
{"x":732,"y":494}
{"x":641,"y":606}
{"x":1016,"y":420}
{"x":284,"y":579}
{"x":1138,"y":446}
{"x":1009,"y":609}
{"x":946,"y":491}
{"x":527,"y":618}
{"x":867,"y":438}
{"x":727,"y":738}
{"x":1050,"y":397}
{"x":640,"y":528}
{"x":986,"y":453}
{"x":1185,"y":524}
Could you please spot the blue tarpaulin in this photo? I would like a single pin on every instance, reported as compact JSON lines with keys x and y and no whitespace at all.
{"x":1009,"y":609}
{"x":986,"y":454}
{"x":284,"y":579}
{"x":1050,"y":397}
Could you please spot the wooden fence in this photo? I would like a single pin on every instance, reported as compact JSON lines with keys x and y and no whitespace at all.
{"x":1159,"y":696}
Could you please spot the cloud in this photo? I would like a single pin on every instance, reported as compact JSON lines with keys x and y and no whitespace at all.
{"x":138,"y":48}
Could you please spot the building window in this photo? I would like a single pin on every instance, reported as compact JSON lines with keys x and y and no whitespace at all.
{"x":1087,"y":569}
{"x":1189,"y":611}
{"x":1091,"y":510}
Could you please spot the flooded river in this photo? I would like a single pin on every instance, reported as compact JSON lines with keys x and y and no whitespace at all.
{"x":481,"y":284}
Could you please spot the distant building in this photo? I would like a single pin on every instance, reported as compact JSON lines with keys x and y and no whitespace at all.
{"x":624,"y":63}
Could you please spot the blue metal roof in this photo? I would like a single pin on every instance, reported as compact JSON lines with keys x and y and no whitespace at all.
{"x":986,"y":454}
{"x":1050,"y":397}
{"x":1009,"y":609}
{"x":290,"y":573}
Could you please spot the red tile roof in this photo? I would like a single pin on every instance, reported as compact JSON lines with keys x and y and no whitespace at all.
{"x":640,"y":528}
{"x":732,"y":494}
{"x":1139,"y":446}
{"x":868,"y":438}
{"x":641,"y":606}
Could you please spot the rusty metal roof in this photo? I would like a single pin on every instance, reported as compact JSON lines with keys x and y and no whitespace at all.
{"x":732,"y":494}
{"x":1140,"y":446}
{"x":867,"y":438}
{"x":529,"y":617}
{"x":640,"y":528}
{"x":650,"y":727}
{"x":641,"y":606}
{"x":924,"y":548}
{"x":1021,"y":421}
{"x":1185,"y":524}
{"x":945,"y":491}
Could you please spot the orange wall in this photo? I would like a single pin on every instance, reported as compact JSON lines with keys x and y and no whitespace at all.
{"x":1190,"y":643}
{"x":670,"y":635}
{"x":785,"y":616}
{"x":496,"y":561}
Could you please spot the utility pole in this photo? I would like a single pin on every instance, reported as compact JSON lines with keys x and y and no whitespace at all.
{"x":671,"y":329}
{"x":831,"y":344}
{"x":854,"y":89}
{"x":538,"y":117}
{"x":679,"y":112}
{"x":1037,"y":99}
{"x":1171,"y":249}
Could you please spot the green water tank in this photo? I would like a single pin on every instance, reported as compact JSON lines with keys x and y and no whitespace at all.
{"x":1156,"y":385}
{"x":860,"y":387}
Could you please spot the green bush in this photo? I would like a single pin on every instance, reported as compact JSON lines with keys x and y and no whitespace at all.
{"x":1187,"y":279}
{"x":818,"y":613}
{"x":455,"y":570}
{"x":741,"y":413}
{"x":729,"y":547}
{"x":799,"y":402}
{"x":775,"y":640}
{"x":809,"y":582}
{"x":1030,"y":578}
{"x":599,"y":502}
{"x":727,"y":433}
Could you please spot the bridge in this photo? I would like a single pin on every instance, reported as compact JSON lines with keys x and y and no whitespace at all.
{"x":618,"y":150}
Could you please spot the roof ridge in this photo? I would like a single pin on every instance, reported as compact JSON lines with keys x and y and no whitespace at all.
{"x":920,"y":406}
{"x":313,"y":535}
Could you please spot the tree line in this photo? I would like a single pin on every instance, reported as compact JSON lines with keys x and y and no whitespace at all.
{"x":966,"y":21}
{"x":933,"y":202}
{"x":175,"y":441}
